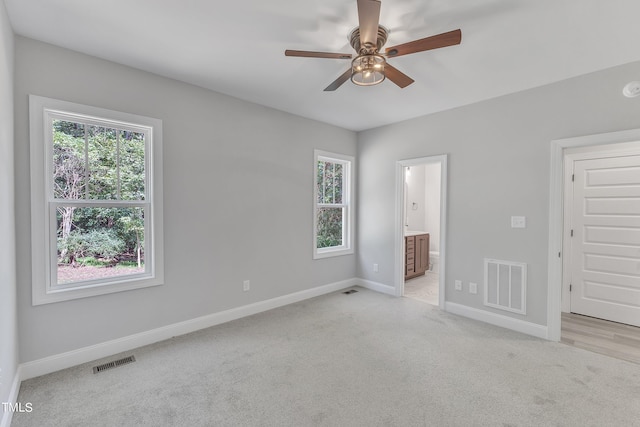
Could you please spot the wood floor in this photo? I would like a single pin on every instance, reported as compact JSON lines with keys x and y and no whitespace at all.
{"x":601,"y":336}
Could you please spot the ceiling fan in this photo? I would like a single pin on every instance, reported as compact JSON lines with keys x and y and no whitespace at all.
{"x":370,"y":67}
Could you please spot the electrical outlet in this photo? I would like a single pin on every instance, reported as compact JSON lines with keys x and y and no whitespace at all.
{"x":458,"y":285}
{"x":375,"y":268}
{"x":473,"y":288}
{"x":518,"y":222}
{"x":246,"y":285}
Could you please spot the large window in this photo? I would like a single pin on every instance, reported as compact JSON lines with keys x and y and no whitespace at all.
{"x":333,"y":213}
{"x":96,"y":200}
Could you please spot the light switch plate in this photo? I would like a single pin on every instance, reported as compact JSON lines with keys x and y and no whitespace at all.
{"x":518,"y":222}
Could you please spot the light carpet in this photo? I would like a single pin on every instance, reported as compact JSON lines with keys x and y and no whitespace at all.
{"x":364,"y":359}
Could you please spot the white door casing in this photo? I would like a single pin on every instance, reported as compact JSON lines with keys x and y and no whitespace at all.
{"x":604,"y":270}
{"x":562,"y":151}
{"x":400,"y":219}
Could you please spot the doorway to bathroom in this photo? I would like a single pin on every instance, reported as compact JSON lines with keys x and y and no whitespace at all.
{"x":421,"y":215}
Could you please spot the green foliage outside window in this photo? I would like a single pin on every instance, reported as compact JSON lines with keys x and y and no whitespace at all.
{"x":329,"y":227}
{"x":98,"y":163}
{"x":330,"y":178}
{"x":102,"y":243}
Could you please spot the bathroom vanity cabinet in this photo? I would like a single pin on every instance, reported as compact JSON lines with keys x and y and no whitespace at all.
{"x":416,"y":257}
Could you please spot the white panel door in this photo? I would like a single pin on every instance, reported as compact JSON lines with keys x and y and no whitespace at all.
{"x":605,"y":248}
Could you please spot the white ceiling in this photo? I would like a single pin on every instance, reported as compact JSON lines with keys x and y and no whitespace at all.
{"x":237,"y":47}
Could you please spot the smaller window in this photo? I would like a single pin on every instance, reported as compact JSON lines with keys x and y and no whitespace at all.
{"x":333,"y":205}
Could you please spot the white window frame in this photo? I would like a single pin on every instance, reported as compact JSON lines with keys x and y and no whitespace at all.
{"x":42,"y":112}
{"x":348,"y":203}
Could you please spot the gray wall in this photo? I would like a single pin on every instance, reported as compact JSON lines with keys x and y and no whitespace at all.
{"x":238,"y":181}
{"x":238,"y":192}
{"x":8,"y":328}
{"x":499,"y":157}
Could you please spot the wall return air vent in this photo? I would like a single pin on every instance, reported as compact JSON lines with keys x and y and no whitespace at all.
{"x":505,"y":285}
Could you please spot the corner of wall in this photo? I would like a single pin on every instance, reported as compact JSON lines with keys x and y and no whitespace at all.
{"x":7,"y":416}
{"x":9,"y":371}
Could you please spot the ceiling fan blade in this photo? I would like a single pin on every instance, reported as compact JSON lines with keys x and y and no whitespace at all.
{"x":434,"y":42}
{"x":397,"y":76}
{"x":368,"y":17}
{"x":339,"y":81}
{"x":308,"y":54}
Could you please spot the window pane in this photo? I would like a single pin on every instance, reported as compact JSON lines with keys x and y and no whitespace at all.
{"x":330,"y":222}
{"x":69,"y":172}
{"x":329,"y":180}
{"x":95,"y":243}
{"x":320,"y":181}
{"x":103,"y":170}
{"x":132,"y":165}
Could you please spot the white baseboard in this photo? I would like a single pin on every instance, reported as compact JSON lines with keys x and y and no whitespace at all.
{"x":7,"y":416}
{"x":87,"y":354}
{"x":518,"y":325}
{"x":375,"y":286}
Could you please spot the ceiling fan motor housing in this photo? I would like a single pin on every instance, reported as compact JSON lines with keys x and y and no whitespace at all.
{"x":354,"y":40}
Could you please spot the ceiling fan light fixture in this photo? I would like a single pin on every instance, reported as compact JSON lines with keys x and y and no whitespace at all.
{"x":368,"y":69}
{"x":367,"y":39}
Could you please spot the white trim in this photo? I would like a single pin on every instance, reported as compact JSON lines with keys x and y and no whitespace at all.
{"x":87,"y":354}
{"x":44,"y":290}
{"x":539,"y":331}
{"x":348,"y":203}
{"x":7,"y":416}
{"x":399,"y":227}
{"x":377,"y":287}
{"x":565,"y":300}
{"x":556,"y":212}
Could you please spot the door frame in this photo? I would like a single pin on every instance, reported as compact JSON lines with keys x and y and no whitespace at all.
{"x":625,"y":141}
{"x":571,"y":156}
{"x":399,"y":223}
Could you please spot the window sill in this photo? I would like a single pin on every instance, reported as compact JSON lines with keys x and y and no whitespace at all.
{"x":332,"y":253}
{"x":90,"y":290}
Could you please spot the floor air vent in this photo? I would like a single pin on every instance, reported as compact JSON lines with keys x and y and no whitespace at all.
{"x":114,"y":364}
{"x":350,"y":291}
